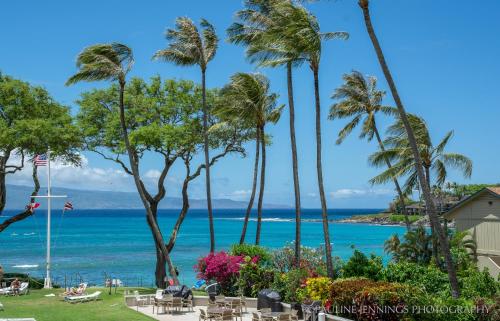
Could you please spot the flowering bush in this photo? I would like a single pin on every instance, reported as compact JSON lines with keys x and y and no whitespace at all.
{"x":258,"y":254}
{"x":221,"y":267}
{"x":316,"y":289}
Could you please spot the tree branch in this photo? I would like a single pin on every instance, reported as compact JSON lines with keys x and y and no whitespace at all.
{"x":15,"y":167}
{"x":114,"y":159}
{"x":28,"y":211}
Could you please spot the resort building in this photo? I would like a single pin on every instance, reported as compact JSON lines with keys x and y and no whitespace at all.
{"x":480,"y":215}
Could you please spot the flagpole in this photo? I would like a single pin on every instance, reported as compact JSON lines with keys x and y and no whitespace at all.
{"x":48,"y":281}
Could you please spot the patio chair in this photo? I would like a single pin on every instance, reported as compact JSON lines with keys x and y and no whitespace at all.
{"x":238,"y":312}
{"x":176,"y":304}
{"x":265,"y":310}
{"x":294,"y":315}
{"x":284,"y":317}
{"x":188,"y":303}
{"x":204,"y":316}
{"x":139,"y":300}
{"x":225,"y":316}
{"x":255,"y":316}
{"x":243,"y":302}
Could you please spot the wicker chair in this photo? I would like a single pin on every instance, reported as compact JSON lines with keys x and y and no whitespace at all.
{"x":294,"y":315}
{"x":225,"y":316}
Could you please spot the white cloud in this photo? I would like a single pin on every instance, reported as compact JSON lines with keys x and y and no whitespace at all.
{"x":360,"y":193}
{"x":242,"y":194}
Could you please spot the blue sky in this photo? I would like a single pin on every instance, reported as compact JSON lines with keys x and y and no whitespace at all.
{"x":443,"y":54}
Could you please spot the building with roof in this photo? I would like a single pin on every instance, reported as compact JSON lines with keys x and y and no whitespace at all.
{"x":480,"y":215}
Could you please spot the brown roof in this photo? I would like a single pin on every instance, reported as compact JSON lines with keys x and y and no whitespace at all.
{"x":495,"y":190}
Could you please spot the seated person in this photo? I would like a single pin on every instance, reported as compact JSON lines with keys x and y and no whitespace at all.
{"x":76,"y":291}
{"x":15,"y":285}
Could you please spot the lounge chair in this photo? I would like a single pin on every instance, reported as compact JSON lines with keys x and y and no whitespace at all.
{"x":23,"y":289}
{"x":83,"y":298}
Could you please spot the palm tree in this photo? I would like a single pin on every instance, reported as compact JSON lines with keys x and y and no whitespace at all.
{"x":112,"y":62}
{"x":248,"y":99}
{"x":258,"y":29}
{"x":433,"y":217}
{"x":434,"y":158}
{"x":304,"y":28}
{"x":359,"y":97}
{"x":188,"y":47}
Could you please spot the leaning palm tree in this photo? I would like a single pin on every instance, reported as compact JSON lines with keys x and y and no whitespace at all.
{"x":189,"y":47}
{"x":257,"y":28}
{"x":112,"y":62}
{"x":247,"y":98}
{"x":361,"y":100}
{"x":433,"y":217}
{"x":304,"y":28}
{"x":434,"y":158}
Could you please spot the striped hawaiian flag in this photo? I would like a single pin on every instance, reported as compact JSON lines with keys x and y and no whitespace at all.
{"x":40,"y":160}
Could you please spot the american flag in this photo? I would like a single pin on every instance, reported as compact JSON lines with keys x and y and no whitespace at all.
{"x":68,"y":206}
{"x":40,"y":160}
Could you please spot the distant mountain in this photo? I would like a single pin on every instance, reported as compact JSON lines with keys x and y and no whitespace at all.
{"x":18,"y":197}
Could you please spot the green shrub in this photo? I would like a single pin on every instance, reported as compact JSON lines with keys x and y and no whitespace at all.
{"x":253,"y":278}
{"x":342,"y":293}
{"x":476,"y":284}
{"x":361,"y":266}
{"x":252,"y":251}
{"x":381,"y":301}
{"x":287,"y":284}
{"x":311,"y":259}
{"x":428,"y":278}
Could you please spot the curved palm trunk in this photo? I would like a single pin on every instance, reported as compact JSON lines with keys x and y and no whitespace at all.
{"x":443,"y":240}
{"x":435,"y":251}
{"x":295,"y":164}
{"x":262,"y":183}
{"x":254,"y":187}
{"x":319,"y":169}
{"x":150,"y":216}
{"x":396,"y":183}
{"x":26,"y":213}
{"x":207,"y":161}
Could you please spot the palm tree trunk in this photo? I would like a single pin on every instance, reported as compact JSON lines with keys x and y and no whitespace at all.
{"x":262,"y":184}
{"x":295,"y":164}
{"x":435,"y":251}
{"x":319,"y":169}
{"x":207,"y":161}
{"x":398,"y":187}
{"x":151,"y":220}
{"x":443,"y":240}
{"x":254,"y":186}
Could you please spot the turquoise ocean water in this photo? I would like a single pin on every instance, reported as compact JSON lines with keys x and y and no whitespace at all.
{"x":89,"y":243}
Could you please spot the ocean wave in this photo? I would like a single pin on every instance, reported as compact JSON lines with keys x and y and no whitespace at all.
{"x":25,"y":266}
{"x":14,"y":234}
{"x":28,"y":234}
{"x":266,"y":219}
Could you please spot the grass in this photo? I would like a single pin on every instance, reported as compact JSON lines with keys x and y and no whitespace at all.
{"x":37,"y":305}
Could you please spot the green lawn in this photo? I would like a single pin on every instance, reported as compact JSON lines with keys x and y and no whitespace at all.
{"x":36,"y":305}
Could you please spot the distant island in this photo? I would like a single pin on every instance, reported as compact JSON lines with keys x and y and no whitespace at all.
{"x":18,"y":197}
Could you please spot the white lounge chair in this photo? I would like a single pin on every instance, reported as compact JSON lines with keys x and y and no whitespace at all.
{"x":23,"y":289}
{"x":83,"y":298}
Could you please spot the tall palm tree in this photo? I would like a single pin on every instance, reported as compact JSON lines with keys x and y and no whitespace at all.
{"x":433,"y":217}
{"x":247,"y":97}
{"x":258,"y":29}
{"x":112,"y":62}
{"x":304,"y":28}
{"x":359,"y":97}
{"x":189,"y":47}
